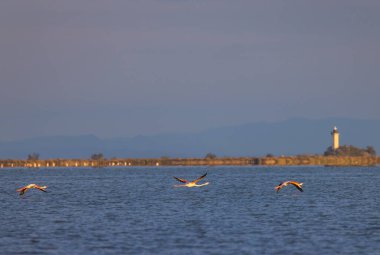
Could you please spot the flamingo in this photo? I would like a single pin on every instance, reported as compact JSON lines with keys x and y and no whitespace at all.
{"x":31,"y":186}
{"x":192,"y":183}
{"x":284,"y":184}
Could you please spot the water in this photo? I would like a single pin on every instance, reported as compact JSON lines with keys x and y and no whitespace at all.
{"x":137,"y":211}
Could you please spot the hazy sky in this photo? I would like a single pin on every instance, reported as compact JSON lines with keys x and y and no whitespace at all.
{"x":123,"y":68}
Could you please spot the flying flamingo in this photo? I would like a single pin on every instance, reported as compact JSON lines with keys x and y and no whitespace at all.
{"x":192,"y":183}
{"x":31,"y":186}
{"x":284,"y":184}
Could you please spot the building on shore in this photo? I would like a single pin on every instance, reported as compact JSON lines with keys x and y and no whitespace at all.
{"x":335,"y":138}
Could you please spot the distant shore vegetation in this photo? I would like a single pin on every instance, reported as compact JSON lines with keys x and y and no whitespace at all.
{"x":210,"y":156}
{"x":33,"y":156}
{"x":350,"y":150}
{"x":97,"y":156}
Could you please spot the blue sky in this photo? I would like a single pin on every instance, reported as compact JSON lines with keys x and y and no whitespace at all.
{"x":124,"y":68}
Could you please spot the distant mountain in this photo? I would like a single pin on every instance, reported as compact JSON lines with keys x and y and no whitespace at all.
{"x":291,"y":137}
{"x":52,"y":147}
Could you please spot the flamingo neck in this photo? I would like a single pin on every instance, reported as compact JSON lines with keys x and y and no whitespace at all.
{"x":203,"y":184}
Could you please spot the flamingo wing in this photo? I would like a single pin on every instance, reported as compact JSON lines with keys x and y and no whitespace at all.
{"x":279,"y":186}
{"x":200,"y":178}
{"x":282,"y":185}
{"x":41,"y":189}
{"x":22,"y":190}
{"x":297,"y":185}
{"x":180,"y":180}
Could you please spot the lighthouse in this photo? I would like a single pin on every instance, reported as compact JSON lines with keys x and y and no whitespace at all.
{"x":335,"y":138}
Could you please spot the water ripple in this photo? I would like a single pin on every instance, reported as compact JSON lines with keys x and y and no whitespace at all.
{"x":137,"y":211}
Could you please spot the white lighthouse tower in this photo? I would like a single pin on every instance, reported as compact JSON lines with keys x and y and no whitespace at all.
{"x":335,"y":138}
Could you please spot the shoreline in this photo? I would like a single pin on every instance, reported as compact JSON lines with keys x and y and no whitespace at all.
{"x":225,"y":161}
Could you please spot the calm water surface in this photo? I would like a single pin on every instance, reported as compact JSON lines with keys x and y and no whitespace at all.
{"x":137,"y":211}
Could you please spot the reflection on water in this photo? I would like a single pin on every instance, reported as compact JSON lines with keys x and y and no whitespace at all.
{"x":137,"y":210}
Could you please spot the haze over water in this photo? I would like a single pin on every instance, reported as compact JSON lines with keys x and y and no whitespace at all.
{"x":137,"y":211}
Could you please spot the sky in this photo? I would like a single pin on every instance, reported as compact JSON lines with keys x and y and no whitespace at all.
{"x":127,"y":68}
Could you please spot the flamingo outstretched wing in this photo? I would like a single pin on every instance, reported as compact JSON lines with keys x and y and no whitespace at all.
{"x":280,"y":186}
{"x":22,"y":190}
{"x":181,"y":180}
{"x":297,"y":185}
{"x":40,"y":188}
{"x":200,"y":178}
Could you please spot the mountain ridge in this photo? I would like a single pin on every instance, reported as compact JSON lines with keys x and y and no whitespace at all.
{"x":289,"y":137}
